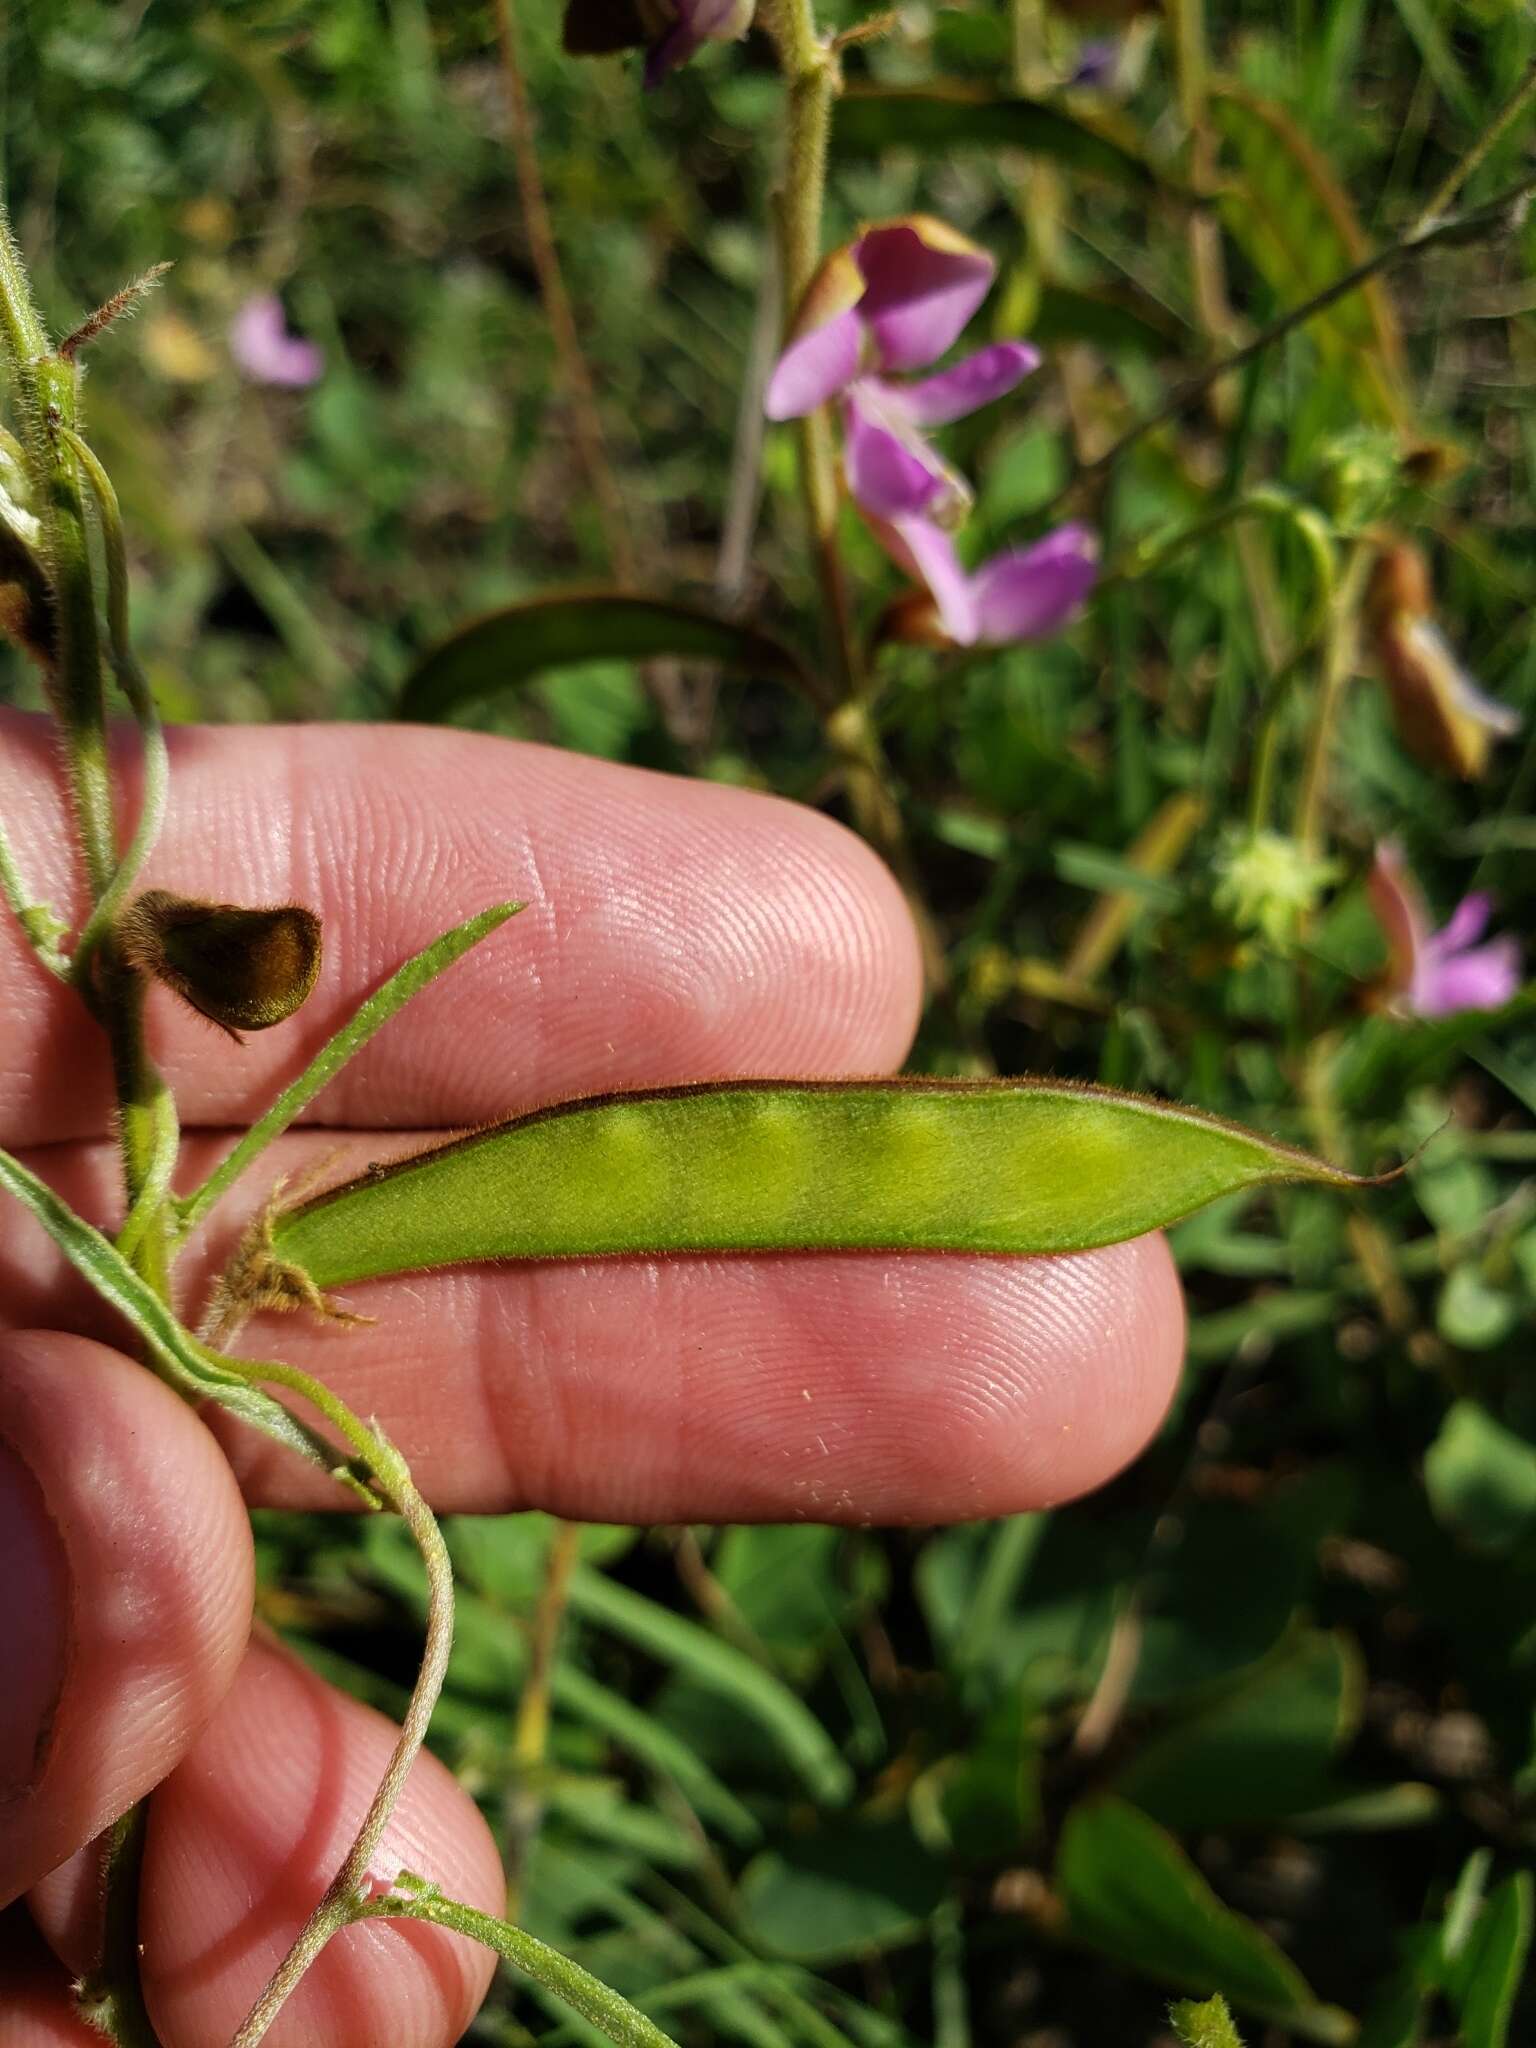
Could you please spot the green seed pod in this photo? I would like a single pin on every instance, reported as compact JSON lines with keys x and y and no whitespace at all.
{"x":244,"y":969}
{"x":752,"y":1166}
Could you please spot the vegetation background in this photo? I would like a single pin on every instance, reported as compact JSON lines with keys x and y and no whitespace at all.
{"x":1258,"y":1719}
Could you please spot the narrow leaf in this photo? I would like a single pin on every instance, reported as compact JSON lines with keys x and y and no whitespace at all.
{"x":175,"y":1353}
{"x":721,"y":1668}
{"x":943,"y":118}
{"x":1014,"y":1166}
{"x":508,"y":648}
{"x":611,"y":2014}
{"x":368,"y":1018}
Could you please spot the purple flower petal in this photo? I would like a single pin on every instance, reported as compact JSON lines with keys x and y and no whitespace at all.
{"x":1030,"y":592}
{"x":815,"y":368}
{"x":890,"y":475}
{"x":263,"y":348}
{"x":1436,"y":974}
{"x":969,"y":384}
{"x":1478,"y":978}
{"x":927,"y":552}
{"x":922,"y":286}
{"x":1465,"y":926}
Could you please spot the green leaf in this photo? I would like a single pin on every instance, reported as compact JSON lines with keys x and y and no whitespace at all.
{"x":1261,"y":1751}
{"x":847,"y":1892}
{"x":1131,"y":1893}
{"x":1208,"y":2025}
{"x":944,"y":118}
{"x":176,"y":1354}
{"x":508,"y":648}
{"x":1297,"y":227}
{"x":1027,"y":1166}
{"x":1481,"y":1478}
{"x":1492,"y":1966}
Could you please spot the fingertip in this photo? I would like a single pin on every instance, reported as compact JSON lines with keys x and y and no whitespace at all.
{"x":245,"y":1836}
{"x":128,"y":1588}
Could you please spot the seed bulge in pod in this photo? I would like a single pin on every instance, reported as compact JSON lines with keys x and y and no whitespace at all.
{"x":244,"y":968}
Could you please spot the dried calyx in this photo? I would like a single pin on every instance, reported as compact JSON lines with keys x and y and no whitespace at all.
{"x":244,"y":968}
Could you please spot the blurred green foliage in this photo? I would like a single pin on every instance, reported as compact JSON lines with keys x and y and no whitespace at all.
{"x":1258,"y":1719}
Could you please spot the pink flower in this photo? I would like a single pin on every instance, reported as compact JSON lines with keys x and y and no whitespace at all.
{"x":1021,"y":594}
{"x":895,"y":300}
{"x":696,"y":22}
{"x":263,"y":348}
{"x":1435,"y":974}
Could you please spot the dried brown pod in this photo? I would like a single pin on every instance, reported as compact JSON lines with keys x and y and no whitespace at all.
{"x":1441,"y":715}
{"x":244,"y":968}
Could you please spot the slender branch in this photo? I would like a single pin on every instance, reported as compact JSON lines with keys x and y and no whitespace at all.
{"x":135,"y":688}
{"x":1465,"y":167}
{"x":110,"y":1998}
{"x":338,"y":1906}
{"x":1496,"y":217}
{"x":586,"y":419}
{"x":43,"y":928}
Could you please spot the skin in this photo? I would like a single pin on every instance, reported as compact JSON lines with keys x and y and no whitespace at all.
{"x":675,"y":932}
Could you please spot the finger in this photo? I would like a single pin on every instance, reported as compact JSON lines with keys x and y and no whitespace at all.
{"x":847,"y":1387}
{"x":674,"y":929}
{"x":245,"y":1836}
{"x":35,"y":2004}
{"x":125,"y":1598}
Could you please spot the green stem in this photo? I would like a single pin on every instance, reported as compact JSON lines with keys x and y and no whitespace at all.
{"x":50,"y":390}
{"x":110,"y":1998}
{"x":574,"y":1986}
{"x":813,"y":82}
{"x":42,"y":927}
{"x":135,"y":688}
{"x":339,"y":1904}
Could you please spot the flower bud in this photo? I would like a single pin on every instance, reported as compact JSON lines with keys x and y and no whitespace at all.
{"x":244,"y":969}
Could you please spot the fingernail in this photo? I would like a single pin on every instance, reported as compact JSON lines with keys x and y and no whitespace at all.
{"x":34,"y":1611}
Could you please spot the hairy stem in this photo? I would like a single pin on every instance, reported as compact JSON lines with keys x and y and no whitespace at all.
{"x":813,"y":81}
{"x":338,"y":1905}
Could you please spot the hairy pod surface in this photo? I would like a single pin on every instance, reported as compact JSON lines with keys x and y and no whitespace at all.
{"x":922,"y":1165}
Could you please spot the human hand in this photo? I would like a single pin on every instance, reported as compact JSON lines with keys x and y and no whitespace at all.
{"x":675,"y":931}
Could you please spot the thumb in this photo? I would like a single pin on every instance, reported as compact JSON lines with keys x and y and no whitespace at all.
{"x":125,"y":1593}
